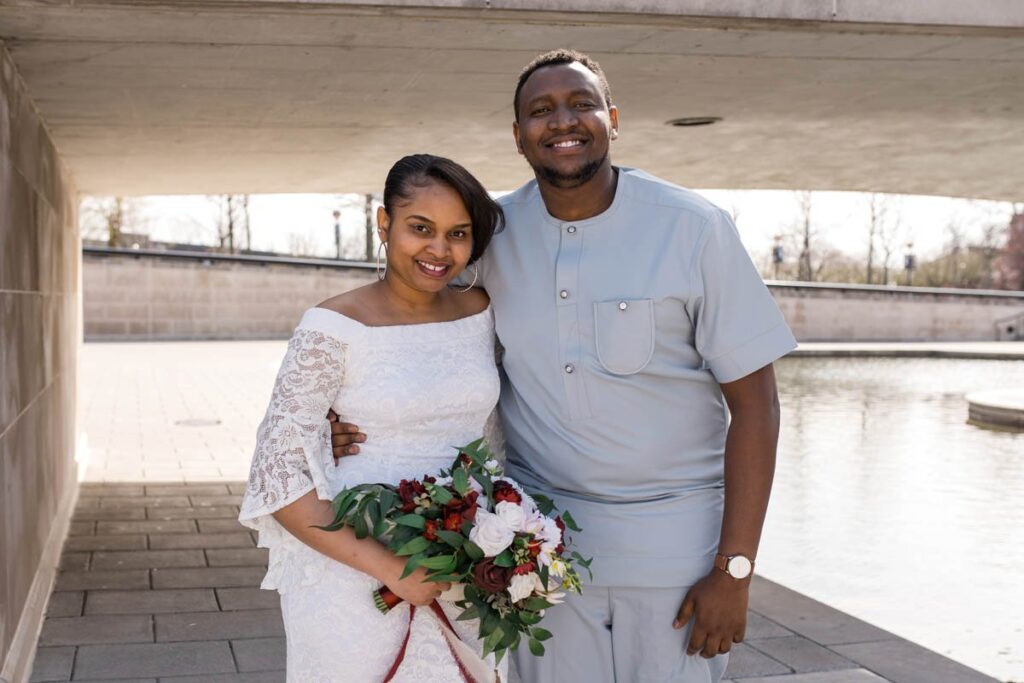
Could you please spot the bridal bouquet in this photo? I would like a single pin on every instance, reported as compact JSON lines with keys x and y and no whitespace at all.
{"x":474,"y":527}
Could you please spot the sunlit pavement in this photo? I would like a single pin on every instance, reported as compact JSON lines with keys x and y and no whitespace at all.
{"x":159,"y":582}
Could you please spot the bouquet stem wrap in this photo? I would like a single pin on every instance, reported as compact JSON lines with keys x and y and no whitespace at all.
{"x":472,"y":667}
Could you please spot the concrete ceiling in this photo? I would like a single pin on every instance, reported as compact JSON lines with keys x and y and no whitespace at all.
{"x":257,"y":96}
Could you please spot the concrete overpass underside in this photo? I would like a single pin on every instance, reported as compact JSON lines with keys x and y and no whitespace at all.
{"x":257,"y":96}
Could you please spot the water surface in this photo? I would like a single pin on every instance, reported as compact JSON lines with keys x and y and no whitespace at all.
{"x":888,"y":506}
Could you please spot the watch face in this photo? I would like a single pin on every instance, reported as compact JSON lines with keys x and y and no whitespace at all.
{"x":739,"y":567}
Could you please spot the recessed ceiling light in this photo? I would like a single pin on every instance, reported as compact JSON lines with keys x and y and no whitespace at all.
{"x":694,"y":121}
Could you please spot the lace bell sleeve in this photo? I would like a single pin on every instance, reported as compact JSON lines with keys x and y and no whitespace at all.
{"x":293,"y":441}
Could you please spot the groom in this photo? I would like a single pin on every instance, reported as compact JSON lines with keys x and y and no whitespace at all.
{"x":634,"y":325}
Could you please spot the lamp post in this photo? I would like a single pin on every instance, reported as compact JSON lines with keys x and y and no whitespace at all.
{"x":910,"y":263}
{"x":778,"y":256}
{"x":337,"y":233}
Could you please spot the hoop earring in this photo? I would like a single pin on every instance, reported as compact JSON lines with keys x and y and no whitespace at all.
{"x":381,"y":272}
{"x":476,"y":274}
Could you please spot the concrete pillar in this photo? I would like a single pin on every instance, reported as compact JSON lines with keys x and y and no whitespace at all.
{"x":40,"y":257}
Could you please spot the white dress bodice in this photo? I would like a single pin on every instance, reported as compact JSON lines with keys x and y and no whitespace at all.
{"x":417,"y":392}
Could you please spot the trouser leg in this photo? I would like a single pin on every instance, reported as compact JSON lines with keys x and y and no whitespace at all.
{"x":580,"y":650}
{"x":645,"y":647}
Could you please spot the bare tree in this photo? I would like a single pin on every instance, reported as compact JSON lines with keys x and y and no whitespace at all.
{"x":876,"y":217}
{"x":890,"y":235}
{"x":302,"y":244}
{"x":245,"y":219}
{"x":108,"y":219}
{"x":805,"y":232}
{"x":1010,"y":264}
{"x":232,"y":218}
{"x":370,"y":220}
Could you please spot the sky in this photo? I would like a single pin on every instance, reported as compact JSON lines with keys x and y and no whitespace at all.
{"x":282,"y":221}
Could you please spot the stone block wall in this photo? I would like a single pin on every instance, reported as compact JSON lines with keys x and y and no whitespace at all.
{"x":860,"y":314}
{"x":39,"y":337}
{"x":150,"y":296}
{"x":137,"y":296}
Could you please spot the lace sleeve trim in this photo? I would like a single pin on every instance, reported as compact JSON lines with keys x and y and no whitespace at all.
{"x":293,"y":440}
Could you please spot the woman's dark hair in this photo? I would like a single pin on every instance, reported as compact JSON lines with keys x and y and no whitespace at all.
{"x":419,"y":170}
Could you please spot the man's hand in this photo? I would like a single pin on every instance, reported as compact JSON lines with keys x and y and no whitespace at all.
{"x":718,"y":604}
{"x":344,"y":436}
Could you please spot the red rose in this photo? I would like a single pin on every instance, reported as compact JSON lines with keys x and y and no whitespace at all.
{"x":490,"y":577}
{"x":430,"y":531}
{"x":453,"y":521}
{"x":408,"y":490}
{"x":470,"y":506}
{"x":524,"y":568}
{"x":561,"y":525}
{"x":503,"y":491}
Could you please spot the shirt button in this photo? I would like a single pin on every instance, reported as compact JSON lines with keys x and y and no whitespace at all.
{"x":564,"y":294}
{"x":571,"y":229}
{"x":569,"y":368}
{"x":623,"y":305}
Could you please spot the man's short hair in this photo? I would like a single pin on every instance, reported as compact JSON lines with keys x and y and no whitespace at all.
{"x":562,"y":56}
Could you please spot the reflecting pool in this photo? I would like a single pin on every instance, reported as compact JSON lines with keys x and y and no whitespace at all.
{"x":888,"y":506}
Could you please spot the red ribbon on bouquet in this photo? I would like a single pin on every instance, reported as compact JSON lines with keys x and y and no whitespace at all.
{"x":386,"y":600}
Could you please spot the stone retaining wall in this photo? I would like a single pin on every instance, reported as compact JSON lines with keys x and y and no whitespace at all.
{"x":142,"y":296}
{"x":154,"y":295}
{"x":39,"y":335}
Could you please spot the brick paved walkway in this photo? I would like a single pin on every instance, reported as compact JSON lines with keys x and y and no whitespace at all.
{"x":158,"y":580}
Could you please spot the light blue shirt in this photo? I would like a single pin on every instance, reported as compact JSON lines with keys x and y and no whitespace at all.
{"x":618,"y":330}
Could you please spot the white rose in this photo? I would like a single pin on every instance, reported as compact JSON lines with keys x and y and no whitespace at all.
{"x":511,"y":514}
{"x":491,"y":533}
{"x":522,"y":586}
{"x":551,"y":532}
{"x":493,"y":467}
{"x":534,"y":522}
{"x":530,"y":505}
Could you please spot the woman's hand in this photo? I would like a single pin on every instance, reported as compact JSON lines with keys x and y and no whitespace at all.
{"x":415,"y":588}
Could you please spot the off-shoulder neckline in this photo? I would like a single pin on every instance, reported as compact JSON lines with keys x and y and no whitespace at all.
{"x":403,"y":325}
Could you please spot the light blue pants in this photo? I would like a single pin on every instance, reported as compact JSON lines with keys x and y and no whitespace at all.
{"x":618,"y":635}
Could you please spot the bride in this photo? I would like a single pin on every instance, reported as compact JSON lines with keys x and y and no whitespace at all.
{"x":412,"y":360}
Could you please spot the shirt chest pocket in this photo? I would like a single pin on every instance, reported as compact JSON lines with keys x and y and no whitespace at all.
{"x":624,"y":334}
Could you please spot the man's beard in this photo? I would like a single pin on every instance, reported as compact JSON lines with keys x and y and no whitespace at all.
{"x":570,"y":180}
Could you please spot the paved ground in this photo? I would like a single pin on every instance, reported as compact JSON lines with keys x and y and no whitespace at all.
{"x":158,"y":581}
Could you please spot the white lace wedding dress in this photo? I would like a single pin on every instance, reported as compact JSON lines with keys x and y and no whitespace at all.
{"x":416,"y":391}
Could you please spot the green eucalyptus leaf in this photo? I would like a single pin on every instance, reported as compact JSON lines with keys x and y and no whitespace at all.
{"x":387,"y":500}
{"x":540,"y":634}
{"x":413,"y":521}
{"x":569,"y":521}
{"x":536,"y":604}
{"x":536,"y":648}
{"x":468,"y":614}
{"x":460,"y":481}
{"x":362,"y":531}
{"x":416,"y":545}
{"x":438,"y":562}
{"x":453,"y":539}
{"x":473,"y":551}
{"x":412,"y":563}
{"x":505,"y":559}
{"x":544,"y":504}
{"x":439,"y":494}
{"x":492,"y":640}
